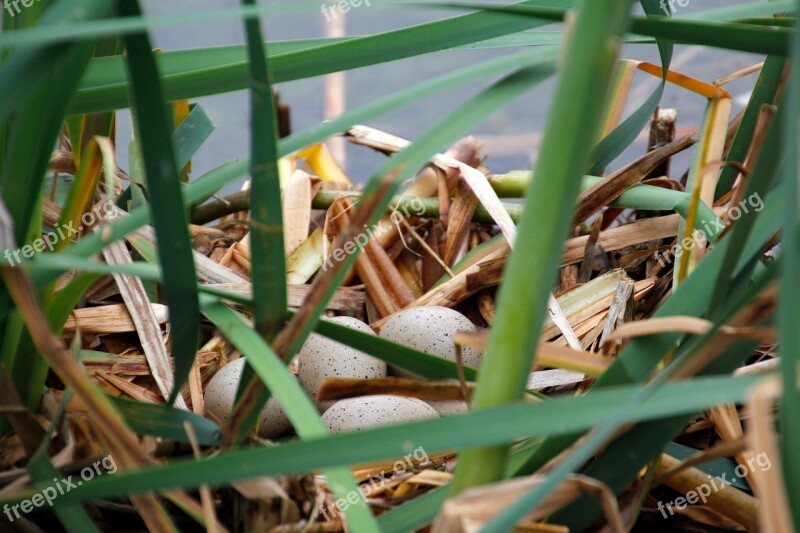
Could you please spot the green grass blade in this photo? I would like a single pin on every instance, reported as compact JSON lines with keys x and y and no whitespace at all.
{"x":27,"y":71}
{"x":420,"y":363}
{"x":415,"y":514}
{"x":623,"y":135}
{"x":489,"y":427}
{"x":167,"y":209}
{"x":35,"y":128}
{"x":763,"y":175}
{"x":746,"y":10}
{"x":574,"y":123}
{"x":166,"y":422}
{"x":728,"y":35}
{"x":109,"y":70}
{"x":266,"y":231}
{"x":190,"y":135}
{"x":346,"y":55}
{"x":83,"y":30}
{"x":790,"y":287}
{"x":764,"y":92}
{"x":268,"y":267}
{"x":540,"y":57}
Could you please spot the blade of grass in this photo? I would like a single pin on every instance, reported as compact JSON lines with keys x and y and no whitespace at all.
{"x":764,"y":92}
{"x":190,"y":135}
{"x":82,"y":128}
{"x":574,"y":123}
{"x":558,"y":416}
{"x":165,"y":422}
{"x":119,"y":27}
{"x":415,"y":514}
{"x":187,"y":138}
{"x":32,"y":133}
{"x":268,"y":268}
{"x":125,"y":26}
{"x":701,"y":181}
{"x":758,"y":186}
{"x":266,"y":230}
{"x":351,"y":54}
{"x":623,"y":135}
{"x":167,"y":210}
{"x":26,"y":72}
{"x":790,"y":286}
{"x":728,"y":35}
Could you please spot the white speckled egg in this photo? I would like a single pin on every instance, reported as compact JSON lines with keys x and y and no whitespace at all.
{"x":448,"y":407}
{"x":221,"y":393}
{"x":355,"y":414}
{"x":321,"y":357}
{"x":430,"y":329}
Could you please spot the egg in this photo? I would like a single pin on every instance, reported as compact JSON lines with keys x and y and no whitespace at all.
{"x":448,"y":407}
{"x":221,"y":393}
{"x":430,"y":329}
{"x":355,"y":414}
{"x":321,"y":358}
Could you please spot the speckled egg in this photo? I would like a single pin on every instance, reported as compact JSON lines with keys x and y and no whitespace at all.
{"x":430,"y":329}
{"x":321,"y":357}
{"x":448,"y":407}
{"x":221,"y":393}
{"x":355,"y":414}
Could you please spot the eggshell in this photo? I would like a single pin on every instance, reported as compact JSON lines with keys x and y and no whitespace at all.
{"x":355,"y":414}
{"x":221,"y":393}
{"x":448,"y":407}
{"x":430,"y":329}
{"x":321,"y":357}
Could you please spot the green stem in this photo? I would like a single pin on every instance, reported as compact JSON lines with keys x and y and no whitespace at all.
{"x":573,"y":126}
{"x":790,"y":306}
